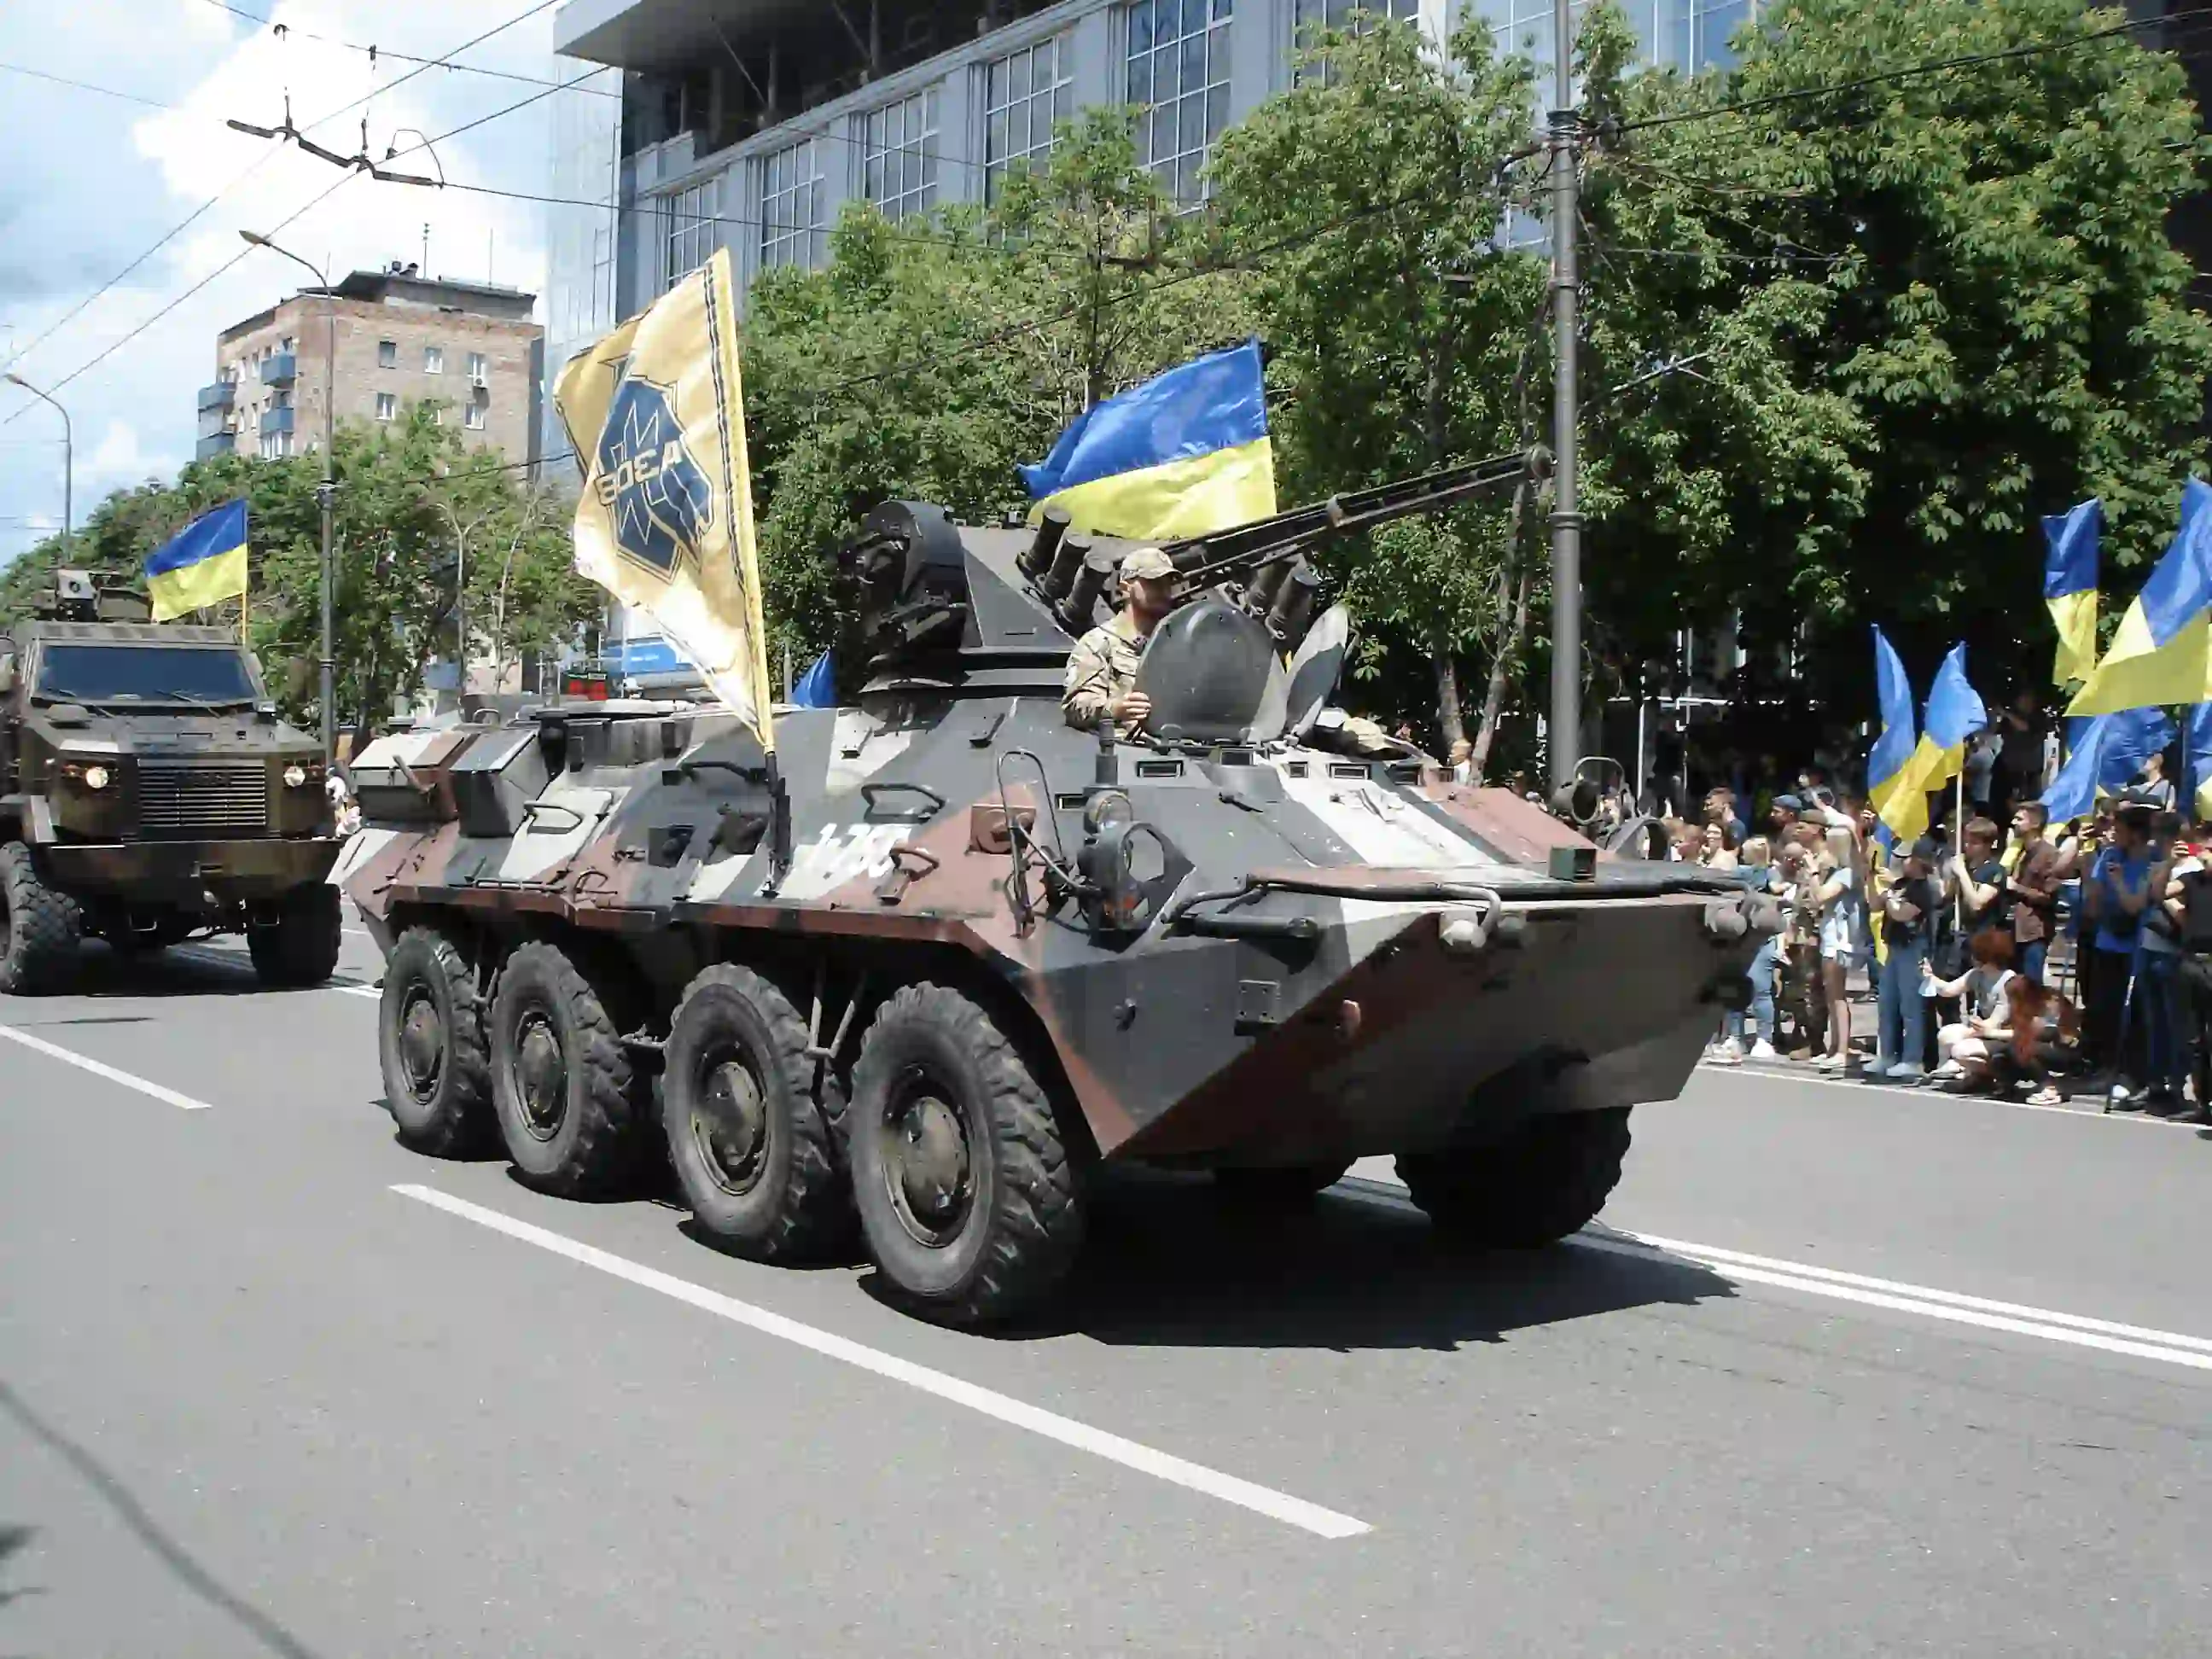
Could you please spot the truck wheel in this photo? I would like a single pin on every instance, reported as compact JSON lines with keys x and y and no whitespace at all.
{"x":1285,"y":1187}
{"x":753,"y":1149}
{"x":430,"y":1043}
{"x":1544,"y":1182}
{"x":300,"y":947}
{"x":39,"y":928}
{"x":962,"y":1179}
{"x":562,"y":1085}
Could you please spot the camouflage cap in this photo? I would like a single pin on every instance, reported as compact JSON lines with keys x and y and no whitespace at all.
{"x":1145,"y":564}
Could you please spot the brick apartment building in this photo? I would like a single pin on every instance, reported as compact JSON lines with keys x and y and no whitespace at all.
{"x":472,"y":350}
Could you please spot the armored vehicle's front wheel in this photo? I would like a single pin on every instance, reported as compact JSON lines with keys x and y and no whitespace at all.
{"x":1284,"y":1186}
{"x":39,"y":928}
{"x":753,"y":1149}
{"x":960,"y":1173}
{"x":562,"y":1083}
{"x":299,"y":945}
{"x":1544,"y":1181}
{"x":430,"y":1043}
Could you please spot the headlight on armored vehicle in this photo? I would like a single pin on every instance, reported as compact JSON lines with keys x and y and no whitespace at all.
{"x":296,"y":776}
{"x":95,"y":777}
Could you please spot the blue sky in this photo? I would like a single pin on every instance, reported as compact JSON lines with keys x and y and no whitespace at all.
{"x":93,"y":182}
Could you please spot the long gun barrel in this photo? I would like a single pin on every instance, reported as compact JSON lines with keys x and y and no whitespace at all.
{"x":1202,"y":561}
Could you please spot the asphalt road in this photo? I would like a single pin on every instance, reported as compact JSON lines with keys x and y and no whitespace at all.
{"x":1886,"y":1373}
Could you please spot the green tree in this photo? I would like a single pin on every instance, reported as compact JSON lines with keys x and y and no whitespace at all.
{"x":1373,"y":203}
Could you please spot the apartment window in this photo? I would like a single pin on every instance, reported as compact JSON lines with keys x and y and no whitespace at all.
{"x":793,"y":206}
{"x":477,"y":366}
{"x":288,"y":345}
{"x":387,"y":354}
{"x":433,"y":360}
{"x":692,"y":232}
{"x":898,"y":155}
{"x":387,"y":406}
{"x":1310,"y":17}
{"x":437,"y":414}
{"x":1179,"y":77}
{"x":1024,"y":93}
{"x":276,"y":445}
{"x":472,"y":416}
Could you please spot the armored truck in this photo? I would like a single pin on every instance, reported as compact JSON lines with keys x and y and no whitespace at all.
{"x":918,"y":974}
{"x":149,"y":793}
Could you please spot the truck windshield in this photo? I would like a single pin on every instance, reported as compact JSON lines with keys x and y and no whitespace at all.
{"x":143,"y":673}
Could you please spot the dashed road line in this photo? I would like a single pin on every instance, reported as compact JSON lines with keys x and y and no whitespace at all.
{"x":2046,"y":1324}
{"x":1145,"y":1460}
{"x":69,"y":1057}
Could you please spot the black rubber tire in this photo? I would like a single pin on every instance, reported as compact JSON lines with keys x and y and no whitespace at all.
{"x":1278,"y":1187}
{"x":428,"y":981}
{"x":39,"y":928}
{"x":300,"y":947}
{"x":1544,"y":1182}
{"x":1023,"y":1222}
{"x":791,"y":1202}
{"x":589,"y":1146}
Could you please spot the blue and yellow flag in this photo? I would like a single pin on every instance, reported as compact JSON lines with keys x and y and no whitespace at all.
{"x":1893,"y":748}
{"x":1185,"y":454}
{"x":1954,"y":713}
{"x":656,"y":415}
{"x":202,"y":564}
{"x":2158,"y":653}
{"x":2069,"y":586}
{"x":2103,"y":753}
{"x":2197,"y":758}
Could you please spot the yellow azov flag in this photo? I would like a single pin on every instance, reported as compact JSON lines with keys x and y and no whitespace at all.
{"x":656,"y":415}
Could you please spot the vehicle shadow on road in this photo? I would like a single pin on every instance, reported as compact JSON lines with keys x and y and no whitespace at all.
{"x":266,"y":1631}
{"x":1169,"y":1263}
{"x":101,"y":972}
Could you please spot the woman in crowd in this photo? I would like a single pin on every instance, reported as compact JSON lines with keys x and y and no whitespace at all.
{"x":1985,"y":1005}
{"x":1841,"y":897}
{"x":2045,"y":1040}
{"x":1717,"y":848}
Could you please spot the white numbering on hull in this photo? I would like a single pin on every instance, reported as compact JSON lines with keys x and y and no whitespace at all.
{"x":841,"y":853}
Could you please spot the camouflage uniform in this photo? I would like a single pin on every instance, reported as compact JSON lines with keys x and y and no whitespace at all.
{"x":1102,"y":667}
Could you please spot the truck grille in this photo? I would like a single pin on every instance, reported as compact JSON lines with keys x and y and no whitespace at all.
{"x":187,"y":800}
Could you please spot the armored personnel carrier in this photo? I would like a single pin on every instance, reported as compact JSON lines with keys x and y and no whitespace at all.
{"x":149,"y":793}
{"x":926,"y":968}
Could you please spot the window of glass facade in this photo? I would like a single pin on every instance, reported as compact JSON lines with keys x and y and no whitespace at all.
{"x":1024,"y":93}
{"x":898,"y":155}
{"x":1684,"y":34}
{"x":793,"y":208}
{"x":692,"y":233}
{"x":1310,"y":17}
{"x":1179,"y":78}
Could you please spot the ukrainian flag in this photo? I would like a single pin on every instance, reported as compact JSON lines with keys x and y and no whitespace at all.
{"x":1185,"y":454}
{"x":1893,"y":748}
{"x":2069,"y":588}
{"x":203,"y":564}
{"x":2158,"y":653}
{"x":1954,"y":713}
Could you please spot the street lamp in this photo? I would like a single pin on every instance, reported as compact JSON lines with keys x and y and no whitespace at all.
{"x":326,"y":494}
{"x":68,"y":458}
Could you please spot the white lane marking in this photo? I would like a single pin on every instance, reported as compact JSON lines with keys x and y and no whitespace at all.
{"x":1706,"y":1068}
{"x":216,"y":955}
{"x":153,"y":1090}
{"x":1279,"y":1506}
{"x":2138,"y":1341}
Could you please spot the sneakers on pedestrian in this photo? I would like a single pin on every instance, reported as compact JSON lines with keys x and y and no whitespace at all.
{"x":1949,"y":1068}
{"x":1905,"y":1072}
{"x":2120,"y":1100}
{"x":1726,"y":1054}
{"x":1763,"y":1049}
{"x":1829,"y":1062}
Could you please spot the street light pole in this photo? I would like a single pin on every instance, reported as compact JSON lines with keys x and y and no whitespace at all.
{"x":1563,"y":740}
{"x":326,"y":492}
{"x":69,"y":459}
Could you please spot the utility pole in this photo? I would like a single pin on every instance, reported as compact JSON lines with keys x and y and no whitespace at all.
{"x":1564,"y":736}
{"x":326,"y":493}
{"x":69,"y":459}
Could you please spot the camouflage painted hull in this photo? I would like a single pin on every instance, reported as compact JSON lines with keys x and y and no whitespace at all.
{"x":1333,"y":1011}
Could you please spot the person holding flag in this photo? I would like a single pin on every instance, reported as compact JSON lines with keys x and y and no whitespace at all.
{"x":1892,"y":749}
{"x":1954,"y":715}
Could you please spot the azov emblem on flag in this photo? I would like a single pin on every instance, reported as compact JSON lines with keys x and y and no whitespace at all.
{"x":657,"y":499}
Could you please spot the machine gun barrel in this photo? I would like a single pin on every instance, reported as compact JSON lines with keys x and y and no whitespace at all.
{"x":1202,"y":561}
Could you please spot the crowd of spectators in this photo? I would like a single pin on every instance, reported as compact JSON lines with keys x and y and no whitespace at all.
{"x":2000,"y":953}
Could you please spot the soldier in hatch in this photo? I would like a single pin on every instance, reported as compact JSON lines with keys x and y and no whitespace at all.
{"x":1101,"y":673}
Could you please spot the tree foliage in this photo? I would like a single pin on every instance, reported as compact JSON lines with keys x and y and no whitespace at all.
{"x":410,"y":499}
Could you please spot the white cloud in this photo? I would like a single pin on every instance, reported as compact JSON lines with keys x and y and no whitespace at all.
{"x":93,"y":182}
